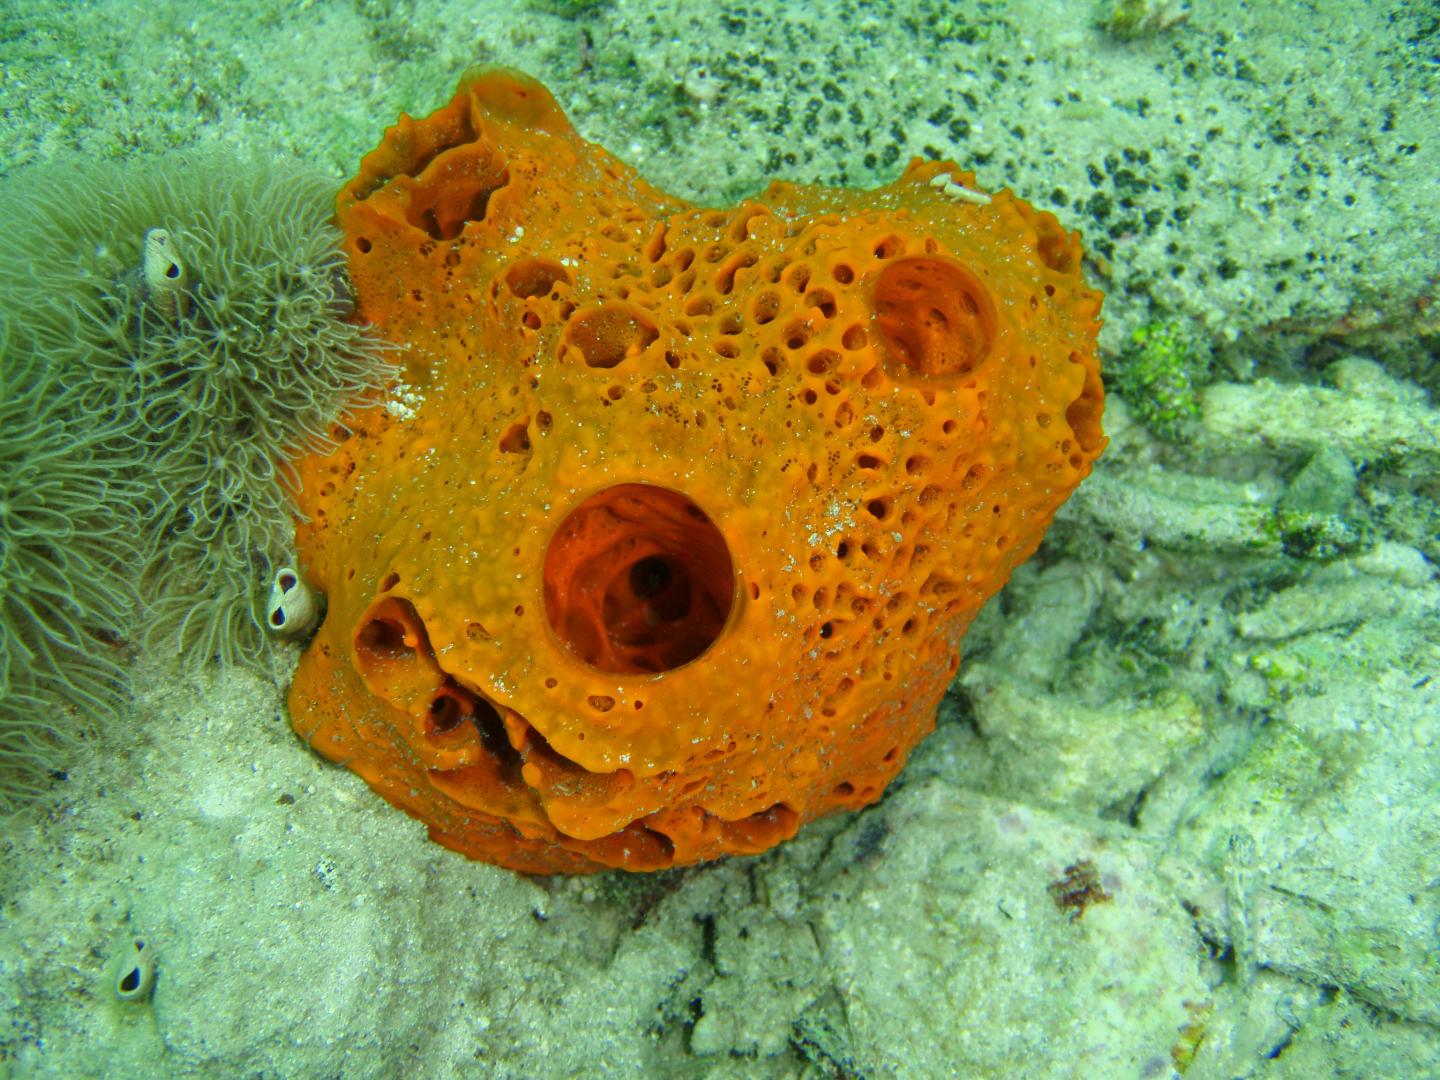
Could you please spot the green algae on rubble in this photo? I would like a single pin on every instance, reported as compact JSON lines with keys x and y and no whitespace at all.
{"x":1160,"y":373}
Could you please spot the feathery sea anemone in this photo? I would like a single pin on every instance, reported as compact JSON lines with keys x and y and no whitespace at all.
{"x":172,"y":331}
{"x":67,"y":560}
{"x":222,"y":379}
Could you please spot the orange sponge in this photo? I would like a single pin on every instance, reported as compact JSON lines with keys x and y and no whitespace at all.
{"x":666,"y":542}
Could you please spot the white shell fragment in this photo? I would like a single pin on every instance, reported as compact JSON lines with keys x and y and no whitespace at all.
{"x":946,"y":185}
{"x":164,"y":274}
{"x":294,"y":607}
{"x":132,"y":972}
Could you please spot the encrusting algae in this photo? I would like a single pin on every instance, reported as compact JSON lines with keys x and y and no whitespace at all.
{"x":666,"y":543}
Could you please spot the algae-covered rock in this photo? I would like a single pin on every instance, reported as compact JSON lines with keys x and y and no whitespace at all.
{"x":1050,"y":750}
{"x":978,"y":954}
{"x":1343,"y":1036}
{"x":1346,"y":593}
{"x":1324,"y":486}
{"x":1368,"y":417}
{"x":1178,"y":511}
{"x":753,"y":945}
{"x":1316,"y":856}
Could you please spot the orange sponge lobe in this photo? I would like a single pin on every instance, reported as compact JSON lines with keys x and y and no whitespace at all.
{"x":665,"y":542}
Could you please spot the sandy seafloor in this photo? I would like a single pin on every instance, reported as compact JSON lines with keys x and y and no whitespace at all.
{"x":1240,"y":731}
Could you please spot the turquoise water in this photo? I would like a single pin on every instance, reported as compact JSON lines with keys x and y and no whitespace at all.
{"x":1178,"y":815}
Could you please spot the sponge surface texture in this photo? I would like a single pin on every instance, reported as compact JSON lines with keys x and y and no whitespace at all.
{"x":666,"y":540}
